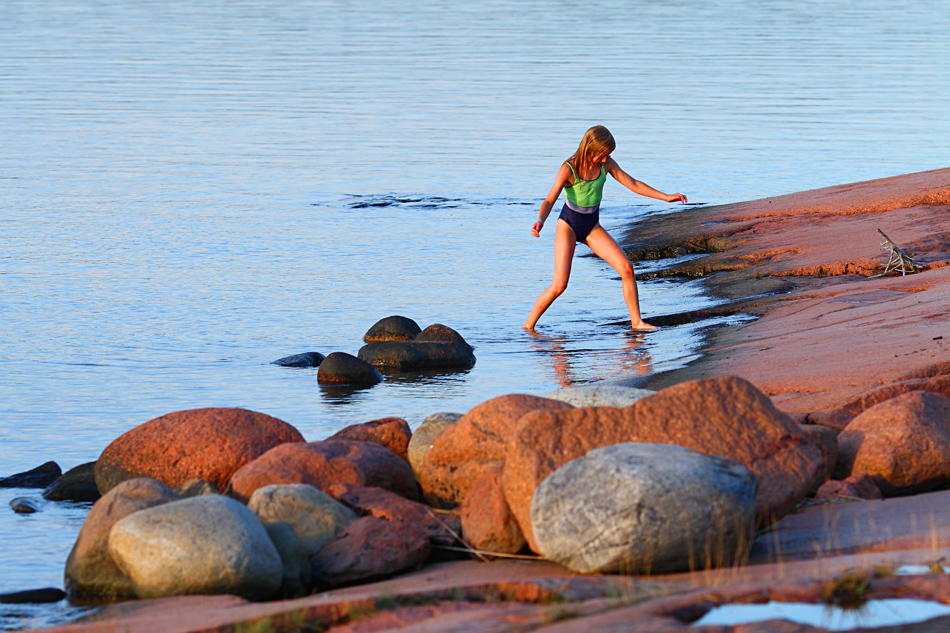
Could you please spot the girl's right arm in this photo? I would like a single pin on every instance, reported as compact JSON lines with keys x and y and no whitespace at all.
{"x":563,"y":178}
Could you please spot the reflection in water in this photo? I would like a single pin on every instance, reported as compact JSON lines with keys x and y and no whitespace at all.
{"x":343,"y":394}
{"x":571,"y":365}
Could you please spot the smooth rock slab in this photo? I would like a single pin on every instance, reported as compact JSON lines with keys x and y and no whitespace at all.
{"x":600,"y":395}
{"x":315,"y":517}
{"x":307,"y":359}
{"x":203,"y":545}
{"x":425,"y":436}
{"x":645,"y":508}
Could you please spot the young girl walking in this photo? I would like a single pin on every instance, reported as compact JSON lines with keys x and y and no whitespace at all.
{"x":582,"y":177}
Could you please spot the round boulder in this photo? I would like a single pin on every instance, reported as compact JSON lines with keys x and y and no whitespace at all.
{"x":209,"y":444}
{"x":90,"y":570}
{"x":392,"y":328}
{"x":438,"y":333}
{"x":645,"y":508}
{"x":202,"y":545}
{"x":393,"y":433}
{"x":315,"y":516}
{"x":425,"y":436}
{"x":903,"y":443}
{"x":340,"y":368}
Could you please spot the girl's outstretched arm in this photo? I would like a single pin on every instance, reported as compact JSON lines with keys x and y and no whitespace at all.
{"x":562,"y":178}
{"x":636,"y":186}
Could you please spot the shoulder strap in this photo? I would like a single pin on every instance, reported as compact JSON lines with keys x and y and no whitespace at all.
{"x":572,"y":171}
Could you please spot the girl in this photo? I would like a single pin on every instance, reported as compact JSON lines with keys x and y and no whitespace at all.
{"x":582,"y":177}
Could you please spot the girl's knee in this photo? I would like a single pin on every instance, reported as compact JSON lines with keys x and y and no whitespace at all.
{"x":558,"y":288}
{"x":626,"y":269}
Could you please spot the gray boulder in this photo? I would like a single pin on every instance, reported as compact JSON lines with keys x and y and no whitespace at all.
{"x":307,"y":359}
{"x":195,"y":488}
{"x":203,"y":545}
{"x":296,"y":578}
{"x":90,"y":569}
{"x":599,"y":395}
{"x":76,"y":484}
{"x":644,"y":508}
{"x":314,"y":516}
{"x":392,"y":328}
{"x":425,"y":436}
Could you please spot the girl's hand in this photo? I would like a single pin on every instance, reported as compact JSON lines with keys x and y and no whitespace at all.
{"x":536,"y":229}
{"x":676,"y":197}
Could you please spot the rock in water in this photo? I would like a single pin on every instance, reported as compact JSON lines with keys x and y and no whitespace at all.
{"x":393,"y":433}
{"x":600,"y":395}
{"x":340,"y":368}
{"x":315,"y":516}
{"x":425,"y":436}
{"x":417,"y":356}
{"x":645,"y":508}
{"x":39,"y":477}
{"x":202,"y":545}
{"x":392,"y":328}
{"x":903,"y":443}
{"x":307,"y":359}
{"x":26,"y":505}
{"x":209,"y":444}
{"x":90,"y":570}
{"x":76,"y":484}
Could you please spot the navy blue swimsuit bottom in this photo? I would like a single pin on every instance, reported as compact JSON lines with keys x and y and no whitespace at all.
{"x":582,"y":223}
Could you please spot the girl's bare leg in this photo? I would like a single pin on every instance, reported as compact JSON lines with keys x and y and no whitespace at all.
{"x":608,"y":250}
{"x":564,"y":245}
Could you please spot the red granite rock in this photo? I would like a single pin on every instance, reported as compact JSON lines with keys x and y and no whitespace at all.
{"x":475,"y":442}
{"x":369,"y":548}
{"x":903,"y":443}
{"x":393,"y":433}
{"x":724,"y":416}
{"x":437,"y":526}
{"x":487,"y":522}
{"x":90,"y":570}
{"x":856,"y":486}
{"x":322,"y":464}
{"x":209,"y":444}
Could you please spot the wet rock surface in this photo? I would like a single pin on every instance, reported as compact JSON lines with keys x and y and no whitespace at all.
{"x":340,"y":368}
{"x":76,"y":484}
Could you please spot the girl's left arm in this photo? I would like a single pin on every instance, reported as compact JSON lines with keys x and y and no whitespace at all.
{"x":639,"y":187}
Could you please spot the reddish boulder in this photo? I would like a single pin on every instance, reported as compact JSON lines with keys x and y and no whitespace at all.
{"x":90,"y":569}
{"x":369,"y":548}
{"x":856,"y":486}
{"x":393,"y":433}
{"x":208,"y":444}
{"x":903,"y":443}
{"x":474,"y":443}
{"x":487,"y":522}
{"x":439,"y":527}
{"x":322,"y":464}
{"x":840,"y":417}
{"x":724,"y":416}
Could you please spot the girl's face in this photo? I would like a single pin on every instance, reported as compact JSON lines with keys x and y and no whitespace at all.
{"x":601,"y":158}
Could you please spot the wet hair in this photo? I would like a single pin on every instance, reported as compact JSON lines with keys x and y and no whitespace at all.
{"x":597,"y":140}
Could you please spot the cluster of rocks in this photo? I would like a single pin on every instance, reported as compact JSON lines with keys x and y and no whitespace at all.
{"x":76,"y":484}
{"x":395,"y":342}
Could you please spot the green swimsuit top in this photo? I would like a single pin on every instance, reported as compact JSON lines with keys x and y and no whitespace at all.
{"x":586,"y":194}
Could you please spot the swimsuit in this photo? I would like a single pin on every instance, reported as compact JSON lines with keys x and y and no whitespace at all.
{"x":582,"y":203}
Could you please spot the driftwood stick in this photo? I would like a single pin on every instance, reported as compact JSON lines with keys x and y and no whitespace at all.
{"x":898,"y":258}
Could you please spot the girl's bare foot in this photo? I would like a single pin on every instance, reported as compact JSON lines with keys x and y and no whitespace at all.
{"x":643,"y":326}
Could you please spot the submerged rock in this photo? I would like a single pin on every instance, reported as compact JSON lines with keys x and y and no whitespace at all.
{"x":203,"y":545}
{"x":39,"y":477}
{"x":392,"y":328}
{"x":209,"y":444}
{"x":26,"y":505}
{"x":33,"y":596}
{"x":306,"y":359}
{"x":76,"y":484}
{"x":645,"y":508}
{"x":340,"y":368}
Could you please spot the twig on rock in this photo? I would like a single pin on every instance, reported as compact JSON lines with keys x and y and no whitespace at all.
{"x":898,"y":257}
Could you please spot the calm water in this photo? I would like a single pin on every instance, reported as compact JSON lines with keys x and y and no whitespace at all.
{"x":189,"y":191}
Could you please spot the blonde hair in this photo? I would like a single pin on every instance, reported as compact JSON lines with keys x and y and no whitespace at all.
{"x":597,"y":140}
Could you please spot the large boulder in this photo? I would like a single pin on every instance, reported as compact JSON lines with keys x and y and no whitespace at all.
{"x":209,"y":444}
{"x":76,"y":484}
{"x":425,"y":436}
{"x":724,"y":416}
{"x":596,"y":395}
{"x":306,"y":359}
{"x":645,"y":508}
{"x":393,"y":433}
{"x":90,"y":570}
{"x":340,"y":368}
{"x":322,"y":464}
{"x":370,"y":548}
{"x":39,"y":477}
{"x":315,"y":516}
{"x":487,"y":522}
{"x":473,"y":444}
{"x":439,"y":527}
{"x":903,"y":443}
{"x":392,"y":328}
{"x":203,"y":545}
{"x":417,"y":355}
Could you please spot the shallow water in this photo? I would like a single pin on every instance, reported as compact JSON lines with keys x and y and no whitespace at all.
{"x":189,"y":191}
{"x":874,"y":613}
